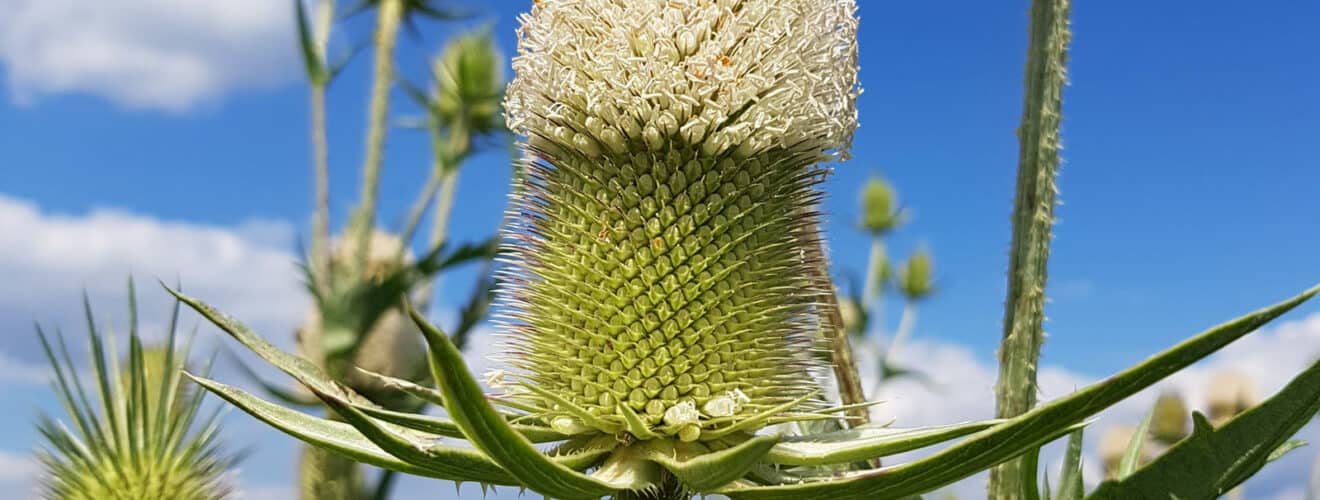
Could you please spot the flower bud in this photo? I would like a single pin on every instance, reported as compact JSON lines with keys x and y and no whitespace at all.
{"x":915,"y":276}
{"x":1169,"y":423}
{"x":879,"y":206}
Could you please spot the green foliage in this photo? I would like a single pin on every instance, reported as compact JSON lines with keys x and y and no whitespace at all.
{"x":1213,"y":460}
{"x":143,"y":438}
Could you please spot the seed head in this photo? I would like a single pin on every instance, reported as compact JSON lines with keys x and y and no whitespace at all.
{"x":657,"y":264}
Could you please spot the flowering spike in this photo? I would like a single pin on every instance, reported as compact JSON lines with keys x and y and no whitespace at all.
{"x":657,"y":245}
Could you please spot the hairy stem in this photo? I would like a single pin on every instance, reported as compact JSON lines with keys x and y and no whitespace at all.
{"x":389,"y":15}
{"x":320,"y":155}
{"x":1033,"y":217}
{"x":321,"y":173}
{"x":841,"y":352}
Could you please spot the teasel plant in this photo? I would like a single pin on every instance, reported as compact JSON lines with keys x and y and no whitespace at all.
{"x":133,"y":428}
{"x":356,"y":278}
{"x":660,"y":300}
{"x":863,"y":300}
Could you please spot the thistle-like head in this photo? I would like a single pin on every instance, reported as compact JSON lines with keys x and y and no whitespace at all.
{"x":659,"y":277}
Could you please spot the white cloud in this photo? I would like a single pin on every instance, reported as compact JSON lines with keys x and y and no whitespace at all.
{"x":18,"y":472}
{"x":246,"y":270}
{"x":963,"y":390}
{"x":160,"y":54}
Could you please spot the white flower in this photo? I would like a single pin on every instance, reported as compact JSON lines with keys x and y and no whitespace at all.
{"x":608,"y":76}
{"x":685,"y":412}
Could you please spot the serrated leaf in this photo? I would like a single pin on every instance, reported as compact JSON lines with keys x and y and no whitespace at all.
{"x":1131,"y":458}
{"x":302,"y":370}
{"x":865,"y":442}
{"x":1213,"y":461}
{"x":344,"y":439}
{"x":490,"y":433}
{"x":1024,"y":432}
{"x":704,"y":471}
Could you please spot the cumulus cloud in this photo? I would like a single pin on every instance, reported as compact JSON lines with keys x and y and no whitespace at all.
{"x":160,"y":54}
{"x":46,"y":258}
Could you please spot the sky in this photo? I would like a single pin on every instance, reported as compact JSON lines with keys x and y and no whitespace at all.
{"x":168,"y":138}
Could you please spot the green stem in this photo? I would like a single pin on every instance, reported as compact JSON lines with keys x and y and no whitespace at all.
{"x":871,"y":287}
{"x":321,"y":173}
{"x":906,"y":323}
{"x":1033,"y":217}
{"x":389,"y":15}
{"x":324,"y":19}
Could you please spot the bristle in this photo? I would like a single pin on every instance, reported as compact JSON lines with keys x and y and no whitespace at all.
{"x":655,"y":254}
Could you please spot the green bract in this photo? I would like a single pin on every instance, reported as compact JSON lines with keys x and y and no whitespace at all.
{"x":143,"y":440}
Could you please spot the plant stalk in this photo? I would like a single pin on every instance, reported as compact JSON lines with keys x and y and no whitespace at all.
{"x":841,"y":352}
{"x":324,"y":19}
{"x":1033,"y":217}
{"x":389,"y":16}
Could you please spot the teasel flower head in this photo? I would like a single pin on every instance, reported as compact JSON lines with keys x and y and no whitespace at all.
{"x":469,"y":83}
{"x":1230,"y":393}
{"x":879,"y":204}
{"x":657,"y":258}
{"x":915,"y":277}
{"x":1170,"y":422}
{"x":133,"y":430}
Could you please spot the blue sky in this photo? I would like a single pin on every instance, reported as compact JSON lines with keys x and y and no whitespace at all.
{"x":1191,"y":184}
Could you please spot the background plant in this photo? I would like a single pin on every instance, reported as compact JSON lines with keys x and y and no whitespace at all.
{"x":356,"y":278}
{"x":143,"y":437}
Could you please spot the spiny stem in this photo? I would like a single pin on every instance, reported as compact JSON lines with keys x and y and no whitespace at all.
{"x":1033,"y":216}
{"x":389,"y":15}
{"x":841,"y":352}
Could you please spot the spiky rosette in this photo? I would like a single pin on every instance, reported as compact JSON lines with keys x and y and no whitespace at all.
{"x":658,"y":250}
{"x":143,"y":440}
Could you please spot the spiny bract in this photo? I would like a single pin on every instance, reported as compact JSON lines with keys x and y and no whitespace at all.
{"x":140,"y":441}
{"x":659,"y":261}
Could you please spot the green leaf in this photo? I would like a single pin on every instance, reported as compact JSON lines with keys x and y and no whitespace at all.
{"x":490,"y":433}
{"x":1024,"y":432}
{"x":704,"y":471}
{"x":1213,"y":461}
{"x":316,"y":72}
{"x":865,"y":442}
{"x":344,"y":439}
{"x":284,"y":395}
{"x":1131,"y":458}
{"x":1072,"y":482}
{"x":302,"y":370}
